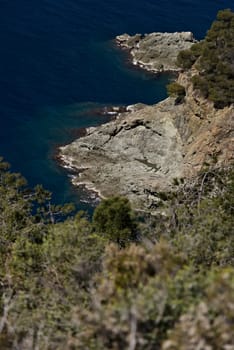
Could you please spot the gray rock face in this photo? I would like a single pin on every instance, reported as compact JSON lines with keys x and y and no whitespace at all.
{"x":142,"y":151}
{"x":156,"y":52}
{"x":134,"y":155}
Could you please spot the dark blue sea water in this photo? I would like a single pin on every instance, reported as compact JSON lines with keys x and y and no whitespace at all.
{"x":57,"y":62}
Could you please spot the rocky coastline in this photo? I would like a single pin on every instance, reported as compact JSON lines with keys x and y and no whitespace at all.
{"x":156,"y":52}
{"x":144,"y":149}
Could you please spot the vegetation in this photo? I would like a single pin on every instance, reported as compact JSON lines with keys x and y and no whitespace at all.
{"x":115,"y":219}
{"x":76,"y":284}
{"x":120,"y":281}
{"x":187,"y":58}
{"x":176,"y":90}
{"x":213,"y":59}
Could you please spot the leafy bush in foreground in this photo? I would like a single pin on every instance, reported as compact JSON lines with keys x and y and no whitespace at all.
{"x":63,"y":285}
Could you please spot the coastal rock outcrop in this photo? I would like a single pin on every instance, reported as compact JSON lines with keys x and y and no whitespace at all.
{"x":132,"y":155}
{"x":141,"y":152}
{"x":146,"y":148}
{"x":156,"y":52}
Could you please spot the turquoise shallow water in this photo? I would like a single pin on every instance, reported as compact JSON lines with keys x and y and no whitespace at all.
{"x":58,"y":61}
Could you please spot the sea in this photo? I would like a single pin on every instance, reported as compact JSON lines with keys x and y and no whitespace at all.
{"x":59,"y":65}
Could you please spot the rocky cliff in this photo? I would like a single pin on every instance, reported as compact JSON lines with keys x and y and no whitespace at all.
{"x":145,"y":149}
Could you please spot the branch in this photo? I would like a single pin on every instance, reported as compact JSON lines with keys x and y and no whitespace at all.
{"x":7,"y":305}
{"x":133,"y":330}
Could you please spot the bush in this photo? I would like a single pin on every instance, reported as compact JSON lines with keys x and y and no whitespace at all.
{"x":114,"y":218}
{"x":213,"y":58}
{"x":176,"y":90}
{"x":201,"y":84}
{"x":187,"y":58}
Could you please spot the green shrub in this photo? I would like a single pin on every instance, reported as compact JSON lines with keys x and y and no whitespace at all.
{"x":187,"y":58}
{"x":201,"y":84}
{"x":213,"y":58}
{"x":176,"y":90}
{"x":114,"y":218}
